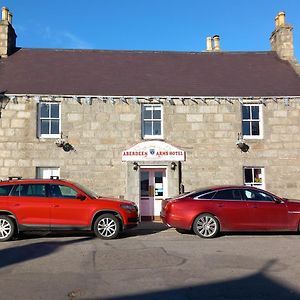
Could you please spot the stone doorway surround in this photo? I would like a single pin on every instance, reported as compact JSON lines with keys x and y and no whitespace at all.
{"x":152,"y":154}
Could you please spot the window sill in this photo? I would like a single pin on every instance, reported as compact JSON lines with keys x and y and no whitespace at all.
{"x":153,"y":137}
{"x":47,"y":137}
{"x":253,"y":137}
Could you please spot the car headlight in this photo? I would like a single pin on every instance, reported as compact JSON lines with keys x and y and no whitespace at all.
{"x":129,"y":207}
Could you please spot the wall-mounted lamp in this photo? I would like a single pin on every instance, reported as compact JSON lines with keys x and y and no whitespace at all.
{"x":135,"y":166}
{"x":241,"y":144}
{"x":62,"y":143}
{"x":173,"y":166}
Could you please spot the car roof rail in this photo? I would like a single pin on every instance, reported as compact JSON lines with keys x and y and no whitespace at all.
{"x":14,"y":177}
{"x":54,"y":177}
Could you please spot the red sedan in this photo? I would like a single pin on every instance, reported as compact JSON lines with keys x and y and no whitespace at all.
{"x":231,"y":208}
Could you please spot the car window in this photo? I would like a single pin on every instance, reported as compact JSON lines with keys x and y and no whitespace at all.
{"x":5,"y":190}
{"x":253,"y":195}
{"x":30,"y":190}
{"x":205,"y":195}
{"x":231,"y":194}
{"x":62,"y":191}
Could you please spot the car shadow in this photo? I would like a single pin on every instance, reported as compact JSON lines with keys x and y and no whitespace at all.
{"x":30,"y":235}
{"x":22,"y":253}
{"x":244,"y":233}
{"x":143,"y":228}
{"x":258,"y":233}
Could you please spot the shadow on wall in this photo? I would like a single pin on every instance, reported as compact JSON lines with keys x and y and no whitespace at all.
{"x":19,"y":254}
{"x":255,"y":287}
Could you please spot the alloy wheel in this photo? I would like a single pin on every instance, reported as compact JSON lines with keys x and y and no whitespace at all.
{"x":206,"y":226}
{"x":5,"y":229}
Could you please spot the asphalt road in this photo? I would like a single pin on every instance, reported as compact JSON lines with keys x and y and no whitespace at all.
{"x":151,"y":262}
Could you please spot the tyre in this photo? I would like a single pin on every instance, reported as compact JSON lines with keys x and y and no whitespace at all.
{"x":7,"y":228}
{"x":206,"y":226}
{"x":107,"y":227}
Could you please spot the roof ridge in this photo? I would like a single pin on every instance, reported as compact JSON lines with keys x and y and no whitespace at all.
{"x":147,"y":51}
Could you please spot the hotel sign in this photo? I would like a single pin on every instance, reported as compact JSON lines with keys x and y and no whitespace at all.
{"x":153,"y":151}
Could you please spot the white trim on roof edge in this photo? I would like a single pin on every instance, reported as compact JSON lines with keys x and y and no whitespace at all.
{"x":172,"y":100}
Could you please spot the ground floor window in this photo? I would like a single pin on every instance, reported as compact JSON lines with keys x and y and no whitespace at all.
{"x":254,"y":176}
{"x":47,"y":172}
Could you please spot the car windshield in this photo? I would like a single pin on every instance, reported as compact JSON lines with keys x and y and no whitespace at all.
{"x":87,"y":191}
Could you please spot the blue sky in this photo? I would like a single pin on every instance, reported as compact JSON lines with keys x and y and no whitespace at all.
{"x":176,"y":25}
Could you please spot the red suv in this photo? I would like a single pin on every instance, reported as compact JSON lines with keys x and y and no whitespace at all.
{"x":53,"y":204}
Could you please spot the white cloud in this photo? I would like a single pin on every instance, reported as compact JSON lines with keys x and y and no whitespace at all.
{"x":62,"y":39}
{"x":75,"y":41}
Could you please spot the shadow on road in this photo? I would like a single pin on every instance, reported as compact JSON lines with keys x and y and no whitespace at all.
{"x":19,"y":254}
{"x":255,"y":287}
{"x":245,"y":233}
{"x":144,"y":228}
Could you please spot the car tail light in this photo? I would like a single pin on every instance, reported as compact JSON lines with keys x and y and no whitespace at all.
{"x":166,"y":204}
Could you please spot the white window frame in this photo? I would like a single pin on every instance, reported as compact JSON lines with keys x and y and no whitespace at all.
{"x":48,"y":136}
{"x":148,"y":136}
{"x":260,"y":122}
{"x":53,"y":171}
{"x":261,"y":184}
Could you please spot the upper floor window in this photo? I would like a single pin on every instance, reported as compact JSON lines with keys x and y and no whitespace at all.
{"x":252,"y":121}
{"x":254,"y":176}
{"x":49,"y":123}
{"x":47,"y":172}
{"x":152,"y":121}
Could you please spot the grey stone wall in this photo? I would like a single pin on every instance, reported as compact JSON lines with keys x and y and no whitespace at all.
{"x":101,"y":131}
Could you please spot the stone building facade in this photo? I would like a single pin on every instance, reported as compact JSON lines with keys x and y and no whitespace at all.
{"x":148,"y":125}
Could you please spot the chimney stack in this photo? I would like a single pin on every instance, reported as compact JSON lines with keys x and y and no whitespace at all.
{"x":282,"y":38}
{"x":7,"y":34}
{"x":213,"y":43}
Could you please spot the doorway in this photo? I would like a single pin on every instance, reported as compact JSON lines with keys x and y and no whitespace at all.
{"x":153,"y":189}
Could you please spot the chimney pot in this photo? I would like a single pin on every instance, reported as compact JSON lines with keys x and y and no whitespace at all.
{"x":4,"y":13}
{"x":281,"y":18}
{"x":216,"y":39}
{"x":10,"y":18}
{"x":276,"y":21}
{"x":209,"y":43}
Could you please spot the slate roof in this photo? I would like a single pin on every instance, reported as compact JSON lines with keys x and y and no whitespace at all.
{"x":142,"y":73}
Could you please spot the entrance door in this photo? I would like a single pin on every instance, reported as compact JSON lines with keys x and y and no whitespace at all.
{"x":153,"y":183}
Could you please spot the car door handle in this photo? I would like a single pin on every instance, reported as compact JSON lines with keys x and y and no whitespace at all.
{"x":17,"y":204}
{"x":221,"y":205}
{"x":55,"y":205}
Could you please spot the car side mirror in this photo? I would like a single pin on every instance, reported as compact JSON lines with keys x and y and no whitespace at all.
{"x":277,"y":200}
{"x":80,"y":197}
